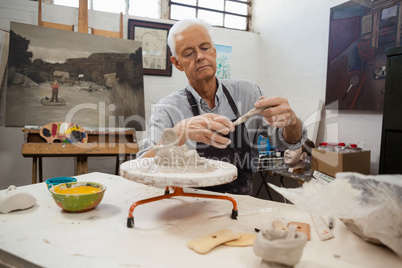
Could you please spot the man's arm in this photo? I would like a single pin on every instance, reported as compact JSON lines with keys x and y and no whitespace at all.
{"x":293,"y":132}
{"x":207,"y":128}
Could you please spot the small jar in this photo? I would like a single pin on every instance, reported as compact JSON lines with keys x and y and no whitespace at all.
{"x":340,"y":148}
{"x":353,"y":148}
{"x":324,"y":146}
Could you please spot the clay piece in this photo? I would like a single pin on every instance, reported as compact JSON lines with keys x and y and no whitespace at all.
{"x":280,"y":247}
{"x":175,"y":165}
{"x":13,"y":199}
{"x":170,"y":157}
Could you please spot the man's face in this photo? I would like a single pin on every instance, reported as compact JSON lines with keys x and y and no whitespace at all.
{"x":196,"y":54}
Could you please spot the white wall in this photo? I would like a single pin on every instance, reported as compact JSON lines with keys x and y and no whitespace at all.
{"x":293,"y":63}
{"x":15,"y":169}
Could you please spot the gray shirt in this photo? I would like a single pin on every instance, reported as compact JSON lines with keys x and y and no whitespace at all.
{"x":174,"y":108}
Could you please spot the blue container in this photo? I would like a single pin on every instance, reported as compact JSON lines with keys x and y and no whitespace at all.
{"x":57,"y":180}
{"x":263,"y":145}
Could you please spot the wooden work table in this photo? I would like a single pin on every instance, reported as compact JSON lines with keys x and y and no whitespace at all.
{"x":107,"y":142}
{"x":46,"y":236}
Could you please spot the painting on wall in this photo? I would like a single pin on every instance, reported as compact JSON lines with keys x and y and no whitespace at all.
{"x":223,"y":61}
{"x":155,"y":51}
{"x":359,"y":35}
{"x":56,"y":75}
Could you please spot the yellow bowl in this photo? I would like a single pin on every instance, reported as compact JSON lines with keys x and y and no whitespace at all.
{"x":76,"y":196}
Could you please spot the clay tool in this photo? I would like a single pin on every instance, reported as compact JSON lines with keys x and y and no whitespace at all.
{"x":249,"y":114}
{"x":278,"y":225}
{"x":331,"y":222}
{"x":322,"y":228}
{"x":246,"y":239}
{"x":206,"y":243}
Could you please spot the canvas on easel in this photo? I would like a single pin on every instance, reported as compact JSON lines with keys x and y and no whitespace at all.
{"x":100,"y":79}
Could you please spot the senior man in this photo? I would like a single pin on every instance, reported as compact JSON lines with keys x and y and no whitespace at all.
{"x":203,"y":111}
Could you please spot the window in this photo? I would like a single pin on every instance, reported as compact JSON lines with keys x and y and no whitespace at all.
{"x":69,"y":3}
{"x":225,"y":13}
{"x":234,"y":14}
{"x":105,"y":5}
{"x":147,"y":8}
{"x":141,"y":8}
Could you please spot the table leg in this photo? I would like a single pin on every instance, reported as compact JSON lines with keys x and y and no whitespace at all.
{"x":40,"y":170}
{"x":34,"y":165}
{"x":82,"y":165}
{"x":260,"y":187}
{"x":116,"y":169}
{"x":264,"y":183}
{"x":283,"y":186}
{"x":119,"y":158}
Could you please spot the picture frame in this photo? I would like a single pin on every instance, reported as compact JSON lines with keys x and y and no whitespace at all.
{"x":155,"y":51}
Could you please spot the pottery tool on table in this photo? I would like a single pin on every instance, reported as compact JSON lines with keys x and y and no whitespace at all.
{"x":331,"y":222}
{"x":206,"y":243}
{"x":322,"y":227}
{"x":249,"y":114}
{"x":245,"y":240}
{"x":279,"y":225}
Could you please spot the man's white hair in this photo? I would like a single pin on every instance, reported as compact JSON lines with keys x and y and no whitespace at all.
{"x":182,"y":25}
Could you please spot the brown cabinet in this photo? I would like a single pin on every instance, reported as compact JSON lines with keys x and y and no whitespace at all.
{"x":391,"y":140}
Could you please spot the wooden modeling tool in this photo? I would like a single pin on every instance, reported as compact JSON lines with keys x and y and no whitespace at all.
{"x":322,"y":227}
{"x":279,"y":225}
{"x":246,"y":239}
{"x":206,"y":243}
{"x":249,"y":114}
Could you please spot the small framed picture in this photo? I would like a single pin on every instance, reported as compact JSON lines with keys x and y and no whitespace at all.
{"x":155,"y":51}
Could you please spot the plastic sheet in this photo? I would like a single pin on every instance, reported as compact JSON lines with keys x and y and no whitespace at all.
{"x":370,"y":206}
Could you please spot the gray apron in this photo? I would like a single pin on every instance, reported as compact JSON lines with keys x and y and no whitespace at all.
{"x":237,"y":153}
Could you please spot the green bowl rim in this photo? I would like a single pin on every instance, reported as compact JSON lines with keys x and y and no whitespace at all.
{"x":85,"y":183}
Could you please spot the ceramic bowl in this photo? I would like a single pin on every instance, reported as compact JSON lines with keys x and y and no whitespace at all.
{"x":57,"y":180}
{"x":78,"y":202}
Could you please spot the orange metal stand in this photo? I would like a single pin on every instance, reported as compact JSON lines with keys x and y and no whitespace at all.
{"x":178,"y":191}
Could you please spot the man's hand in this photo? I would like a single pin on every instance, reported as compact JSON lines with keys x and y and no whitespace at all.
{"x":282,"y":116}
{"x":206,"y":128}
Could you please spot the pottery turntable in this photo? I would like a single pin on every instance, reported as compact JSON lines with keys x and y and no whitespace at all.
{"x":176,"y":167}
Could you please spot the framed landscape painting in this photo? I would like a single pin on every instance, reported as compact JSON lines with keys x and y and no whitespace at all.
{"x":56,"y":75}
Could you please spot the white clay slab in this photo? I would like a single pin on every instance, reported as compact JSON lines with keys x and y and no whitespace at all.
{"x":145,"y":171}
